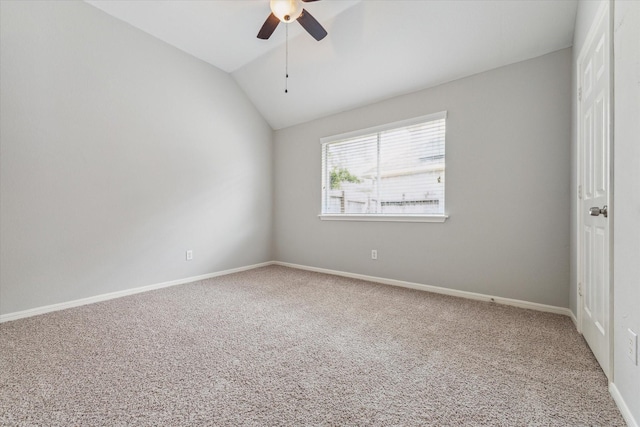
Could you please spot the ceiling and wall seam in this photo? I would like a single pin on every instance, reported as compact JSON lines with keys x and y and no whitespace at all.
{"x":374,"y":51}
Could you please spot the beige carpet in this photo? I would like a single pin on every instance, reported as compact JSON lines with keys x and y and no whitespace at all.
{"x":277,"y":346}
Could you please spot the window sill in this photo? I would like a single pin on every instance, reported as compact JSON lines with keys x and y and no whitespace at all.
{"x":384,"y":218}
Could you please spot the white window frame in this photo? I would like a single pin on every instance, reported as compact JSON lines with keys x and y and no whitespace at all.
{"x":381,"y":217}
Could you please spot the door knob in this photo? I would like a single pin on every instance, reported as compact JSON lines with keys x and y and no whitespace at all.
{"x":595,"y":211}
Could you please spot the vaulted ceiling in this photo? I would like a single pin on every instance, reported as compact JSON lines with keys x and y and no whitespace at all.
{"x":376,"y":49}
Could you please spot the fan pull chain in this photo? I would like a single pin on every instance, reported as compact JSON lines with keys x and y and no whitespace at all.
{"x":286,"y":61}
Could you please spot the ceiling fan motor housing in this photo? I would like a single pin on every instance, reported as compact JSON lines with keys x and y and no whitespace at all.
{"x":286,"y":10}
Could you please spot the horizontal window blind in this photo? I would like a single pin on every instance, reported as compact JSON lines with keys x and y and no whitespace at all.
{"x":394,"y":170}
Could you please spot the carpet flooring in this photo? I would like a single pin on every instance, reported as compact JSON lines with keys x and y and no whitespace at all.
{"x":279,"y":346}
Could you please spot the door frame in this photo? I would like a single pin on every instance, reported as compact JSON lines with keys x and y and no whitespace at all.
{"x":605,"y":11}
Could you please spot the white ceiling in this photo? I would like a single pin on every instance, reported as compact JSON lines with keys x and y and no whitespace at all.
{"x":376,"y":49}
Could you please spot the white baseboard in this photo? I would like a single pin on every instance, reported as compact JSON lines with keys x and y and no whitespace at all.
{"x":574,"y":319}
{"x":104,"y":297}
{"x":622,"y":406}
{"x":436,"y":289}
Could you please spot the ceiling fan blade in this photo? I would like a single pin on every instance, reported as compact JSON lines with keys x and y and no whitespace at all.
{"x":309,"y":1}
{"x":268,"y":27}
{"x":312,"y":26}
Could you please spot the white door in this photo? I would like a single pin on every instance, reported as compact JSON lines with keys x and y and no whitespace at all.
{"x":593,"y":208}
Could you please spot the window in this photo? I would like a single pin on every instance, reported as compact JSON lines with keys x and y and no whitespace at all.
{"x":392,"y":172}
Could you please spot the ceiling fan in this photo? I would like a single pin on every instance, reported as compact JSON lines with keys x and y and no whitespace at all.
{"x":288,"y":11}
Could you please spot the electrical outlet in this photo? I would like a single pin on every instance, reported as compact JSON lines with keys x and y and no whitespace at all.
{"x":374,"y":254}
{"x":632,"y":346}
{"x":189,"y":255}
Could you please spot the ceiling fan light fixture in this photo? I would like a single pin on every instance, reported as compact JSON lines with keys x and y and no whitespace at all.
{"x":286,"y":10}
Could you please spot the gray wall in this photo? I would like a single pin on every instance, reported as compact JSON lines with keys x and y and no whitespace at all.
{"x":626,"y":213}
{"x":118,"y":153}
{"x":507,"y":189}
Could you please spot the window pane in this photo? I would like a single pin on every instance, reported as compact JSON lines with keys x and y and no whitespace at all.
{"x":351,"y":173}
{"x":412,"y":170}
{"x":391,"y":172}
